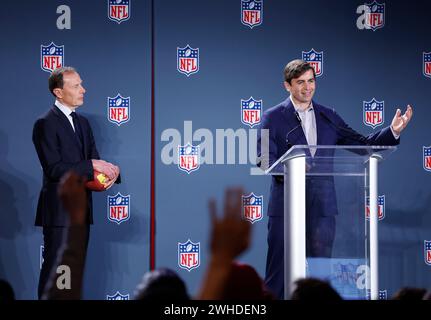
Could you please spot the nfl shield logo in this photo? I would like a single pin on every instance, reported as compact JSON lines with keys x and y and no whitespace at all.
{"x":51,"y":57}
{"x":252,"y":207}
{"x":315,"y":59}
{"x":251,"y":12}
{"x":380,"y":207}
{"x":189,"y":255}
{"x":427,"y":64}
{"x":119,"y":10}
{"x":42,"y":248}
{"x":118,"y":109}
{"x":117,"y":296}
{"x":188,"y":158}
{"x":187,"y":60}
{"x":383,"y":294}
{"x":427,"y":158}
{"x":373,"y":113}
{"x":375,"y":16}
{"x":251,"y":111}
{"x":427,"y":252}
{"x":118,"y":208}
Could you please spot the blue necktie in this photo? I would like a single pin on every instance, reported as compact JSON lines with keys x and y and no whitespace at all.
{"x":78,"y":131}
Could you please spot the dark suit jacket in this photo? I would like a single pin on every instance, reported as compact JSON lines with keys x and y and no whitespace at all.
{"x":281,"y":119}
{"x":59,"y":150}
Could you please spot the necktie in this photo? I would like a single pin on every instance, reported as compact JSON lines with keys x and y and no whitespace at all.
{"x":78,"y":130}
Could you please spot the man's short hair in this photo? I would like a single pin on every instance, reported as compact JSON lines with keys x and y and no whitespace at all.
{"x":313,"y":289}
{"x":162,"y":284}
{"x":296,"y":68}
{"x":55,"y":80}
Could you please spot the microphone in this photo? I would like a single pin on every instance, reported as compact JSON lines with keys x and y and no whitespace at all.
{"x":299,"y":125}
{"x":350,"y":133}
{"x":298,"y":117}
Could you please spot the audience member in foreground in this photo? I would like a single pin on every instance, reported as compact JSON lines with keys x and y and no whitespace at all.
{"x":312,"y":289}
{"x":244,"y":283}
{"x":410,"y":294}
{"x":6,"y":291}
{"x":230,"y":236}
{"x":162,"y":284}
{"x":65,"y":280}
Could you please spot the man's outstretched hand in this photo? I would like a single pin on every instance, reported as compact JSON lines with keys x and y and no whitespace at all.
{"x":399,"y":122}
{"x":230,"y":235}
{"x":74,"y":197}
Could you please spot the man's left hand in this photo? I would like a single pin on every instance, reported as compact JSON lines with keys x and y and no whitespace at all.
{"x":399,"y":122}
{"x":110,"y":182}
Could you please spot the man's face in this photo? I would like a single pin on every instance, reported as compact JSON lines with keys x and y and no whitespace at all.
{"x":72,"y":94}
{"x":302,"y":88}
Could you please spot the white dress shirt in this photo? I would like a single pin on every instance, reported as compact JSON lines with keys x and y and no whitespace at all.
{"x":308,"y":122}
{"x":67,"y":112}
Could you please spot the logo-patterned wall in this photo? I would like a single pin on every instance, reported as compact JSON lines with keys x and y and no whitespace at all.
{"x":217,"y":70}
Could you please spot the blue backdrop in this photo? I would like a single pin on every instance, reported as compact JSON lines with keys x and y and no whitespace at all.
{"x":234,"y":60}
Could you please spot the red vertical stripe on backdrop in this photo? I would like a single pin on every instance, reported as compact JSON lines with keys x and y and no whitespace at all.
{"x":153,"y":156}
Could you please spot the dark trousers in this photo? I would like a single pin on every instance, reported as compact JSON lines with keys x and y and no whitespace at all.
{"x":53,"y":239}
{"x":320,"y":232}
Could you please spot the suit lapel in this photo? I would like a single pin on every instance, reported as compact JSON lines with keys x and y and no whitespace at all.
{"x":319,"y":123}
{"x":68,"y":128}
{"x":322,"y":129}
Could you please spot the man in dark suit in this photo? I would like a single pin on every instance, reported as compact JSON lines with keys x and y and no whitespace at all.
{"x":64,"y":141}
{"x":300,"y":121}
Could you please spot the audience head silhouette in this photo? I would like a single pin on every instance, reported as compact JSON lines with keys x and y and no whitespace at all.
{"x":6,"y":291}
{"x":409,"y":293}
{"x":312,"y":289}
{"x":161,"y":284}
{"x":244,"y":283}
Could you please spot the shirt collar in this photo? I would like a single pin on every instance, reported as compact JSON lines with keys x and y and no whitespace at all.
{"x":66,"y":110}
{"x":297,"y":109}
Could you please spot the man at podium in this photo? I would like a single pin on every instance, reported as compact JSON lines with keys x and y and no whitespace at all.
{"x":300,"y":121}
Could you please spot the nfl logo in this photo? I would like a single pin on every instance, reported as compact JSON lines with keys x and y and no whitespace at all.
{"x":118,"y":208}
{"x":251,"y":12}
{"x":427,"y":158}
{"x":427,"y":64}
{"x":117,"y":296}
{"x":188,"y":158}
{"x":375,"y":16}
{"x":251,"y":111}
{"x":42,"y":248}
{"x":380,"y":207}
{"x":383,"y":294}
{"x":118,"y":109}
{"x":187,"y":60}
{"x":427,"y":252}
{"x":119,"y":10}
{"x":315,"y":59}
{"x":252,"y":207}
{"x":373,"y":113}
{"x":51,"y":57}
{"x":189,"y":255}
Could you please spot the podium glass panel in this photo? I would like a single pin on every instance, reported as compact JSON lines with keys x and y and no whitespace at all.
{"x":330,"y":216}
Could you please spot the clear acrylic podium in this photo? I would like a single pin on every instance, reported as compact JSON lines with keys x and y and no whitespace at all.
{"x":351,"y":173}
